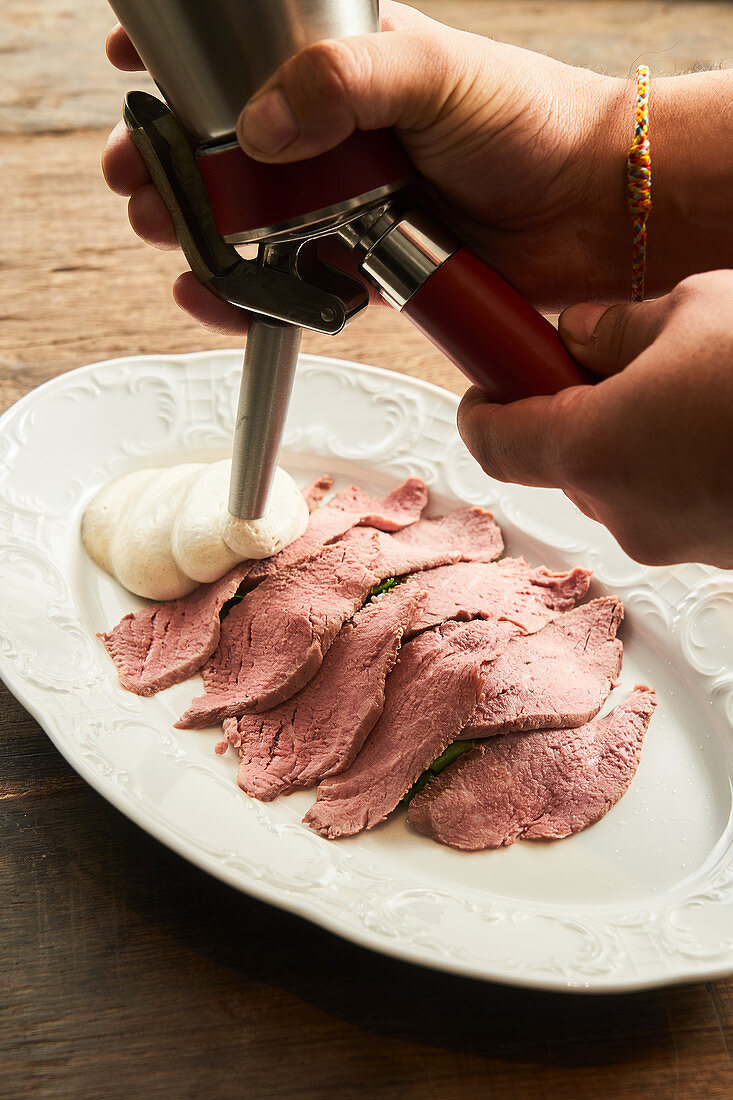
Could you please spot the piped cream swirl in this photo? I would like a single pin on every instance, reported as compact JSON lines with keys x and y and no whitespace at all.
{"x":161,"y":532}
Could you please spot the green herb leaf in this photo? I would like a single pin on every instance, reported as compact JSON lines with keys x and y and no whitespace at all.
{"x":230,"y":603}
{"x":383,"y":586}
{"x":443,"y":761}
{"x":451,"y":753}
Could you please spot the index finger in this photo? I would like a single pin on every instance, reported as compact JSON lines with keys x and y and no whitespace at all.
{"x":123,"y":167}
{"x":121,"y":51}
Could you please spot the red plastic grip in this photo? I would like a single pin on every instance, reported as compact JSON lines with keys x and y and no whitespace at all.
{"x":247,"y":195}
{"x":499,"y":341}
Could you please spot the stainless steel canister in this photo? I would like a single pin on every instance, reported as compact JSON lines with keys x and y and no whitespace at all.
{"x":209,"y":56}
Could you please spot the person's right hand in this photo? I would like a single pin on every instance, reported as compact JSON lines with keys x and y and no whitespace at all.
{"x":524,"y":154}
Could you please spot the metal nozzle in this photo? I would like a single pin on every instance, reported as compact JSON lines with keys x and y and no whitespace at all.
{"x":270,"y":359}
{"x":286,"y":288}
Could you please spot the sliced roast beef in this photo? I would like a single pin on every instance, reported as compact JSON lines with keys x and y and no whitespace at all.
{"x":504,"y":589}
{"x":430,"y":694}
{"x":468,"y":534}
{"x":349,"y":508}
{"x":535,"y":786}
{"x":316,"y":491}
{"x":321,"y":729}
{"x":558,"y":677}
{"x":165,"y":643}
{"x":274,"y":641}
{"x":400,"y":508}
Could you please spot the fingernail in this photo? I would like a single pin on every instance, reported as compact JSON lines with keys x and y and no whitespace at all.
{"x":578,"y":323}
{"x":267,"y":124}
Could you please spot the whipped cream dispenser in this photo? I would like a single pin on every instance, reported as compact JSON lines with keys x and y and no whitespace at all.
{"x":208,"y":57}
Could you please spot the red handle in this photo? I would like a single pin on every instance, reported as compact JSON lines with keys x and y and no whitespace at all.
{"x":247,"y":195}
{"x":503,"y":345}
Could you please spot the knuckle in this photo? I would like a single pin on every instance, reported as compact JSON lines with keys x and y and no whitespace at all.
{"x":331,"y":67}
{"x":479,"y":432}
{"x":451,"y":64}
{"x":430,"y":47}
{"x":686,"y":290}
{"x":701,"y":313}
{"x":608,"y":342}
{"x":575,"y":457}
{"x":702,"y":283}
{"x":649,"y":539}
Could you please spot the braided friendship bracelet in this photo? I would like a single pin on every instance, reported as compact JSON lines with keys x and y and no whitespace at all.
{"x":639,"y":184}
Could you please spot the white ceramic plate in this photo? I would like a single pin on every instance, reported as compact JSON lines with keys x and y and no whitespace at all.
{"x":643,"y":898}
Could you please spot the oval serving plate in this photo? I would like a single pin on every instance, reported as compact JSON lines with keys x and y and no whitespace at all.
{"x":643,"y":898}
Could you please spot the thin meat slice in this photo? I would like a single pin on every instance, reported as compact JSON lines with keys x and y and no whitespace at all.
{"x":400,"y":508}
{"x":539,"y":786}
{"x":432,"y":691}
{"x":504,"y":589}
{"x":274,"y":641}
{"x":316,"y":491}
{"x":467,"y":534}
{"x":559,"y":677}
{"x":321,"y":729}
{"x":165,"y":643}
{"x":347,"y":509}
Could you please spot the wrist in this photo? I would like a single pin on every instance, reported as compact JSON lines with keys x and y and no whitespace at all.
{"x":691,"y":134}
{"x":691,"y":139}
{"x":605,"y":224}
{"x":588,"y":256}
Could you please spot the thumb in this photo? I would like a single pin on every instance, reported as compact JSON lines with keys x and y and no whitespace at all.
{"x":607,"y":338}
{"x":528,"y":442}
{"x":367,"y":82}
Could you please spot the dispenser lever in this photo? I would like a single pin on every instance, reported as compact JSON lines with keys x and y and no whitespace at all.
{"x":281,"y":293}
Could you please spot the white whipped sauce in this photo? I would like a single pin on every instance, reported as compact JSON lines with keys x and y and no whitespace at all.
{"x":161,"y":532}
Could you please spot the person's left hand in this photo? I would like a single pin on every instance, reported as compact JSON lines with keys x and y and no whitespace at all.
{"x":648,"y":451}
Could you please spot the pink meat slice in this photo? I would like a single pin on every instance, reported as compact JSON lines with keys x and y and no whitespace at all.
{"x":401,"y":507}
{"x":274,"y":641}
{"x":558,"y":677}
{"x":347,"y":509}
{"x":316,"y":491}
{"x":432,"y":691}
{"x":321,"y":729}
{"x":536,"y":786}
{"x":509,"y":588}
{"x":468,"y":534}
{"x":165,"y":643}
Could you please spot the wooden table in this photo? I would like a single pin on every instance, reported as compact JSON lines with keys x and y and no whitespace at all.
{"x":125,"y":971}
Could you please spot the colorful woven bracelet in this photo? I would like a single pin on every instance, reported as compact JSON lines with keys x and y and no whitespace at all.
{"x":639,"y":183}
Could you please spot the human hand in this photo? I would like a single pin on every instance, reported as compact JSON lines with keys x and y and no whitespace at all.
{"x":648,"y":451}
{"x":523,"y":153}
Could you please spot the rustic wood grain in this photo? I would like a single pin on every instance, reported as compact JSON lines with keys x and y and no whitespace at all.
{"x":41,"y":91}
{"x":125,"y":971}
{"x":79,"y":286}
